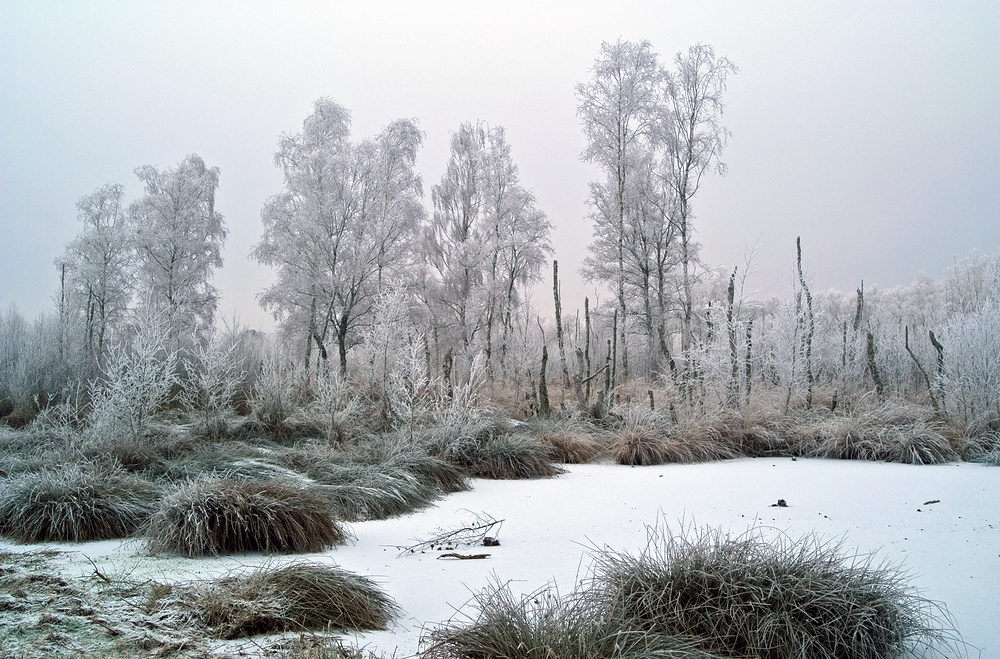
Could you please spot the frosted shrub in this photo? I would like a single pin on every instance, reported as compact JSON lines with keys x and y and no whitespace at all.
{"x":334,"y":403}
{"x":779,"y":340}
{"x":394,"y":374}
{"x":385,"y":341}
{"x":138,"y":379}
{"x":275,"y":394}
{"x":971,"y":378}
{"x":466,"y":404}
{"x":65,"y":418}
{"x":215,"y":375}
{"x":409,"y":392}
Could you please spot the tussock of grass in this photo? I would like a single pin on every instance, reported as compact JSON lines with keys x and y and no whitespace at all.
{"x":639,"y":447}
{"x":882,"y":434}
{"x":541,"y":626}
{"x":747,"y":597}
{"x":371,"y":489}
{"x":921,"y":444}
{"x":982,"y":446}
{"x":32,"y":461}
{"x":221,"y":428}
{"x":401,"y":451}
{"x":215,"y":516}
{"x":440,"y":474}
{"x":570,"y":442}
{"x":132,"y":453}
{"x":310,"y":457}
{"x":748,"y":433}
{"x":74,"y":504}
{"x":322,"y":646}
{"x":298,"y":597}
{"x":233,"y":461}
{"x":364,"y":492}
{"x":496,"y":453}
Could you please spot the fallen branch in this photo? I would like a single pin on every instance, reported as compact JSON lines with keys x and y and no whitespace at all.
{"x":475,"y":533}
{"x":465,"y":557}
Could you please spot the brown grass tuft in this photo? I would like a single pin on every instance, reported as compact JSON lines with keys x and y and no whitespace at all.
{"x":216,"y":516}
{"x":298,"y":597}
{"x":750,"y":597}
{"x":572,"y":446}
{"x":74,"y":504}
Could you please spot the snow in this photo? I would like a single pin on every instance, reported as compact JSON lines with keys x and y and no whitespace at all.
{"x":551,"y":527}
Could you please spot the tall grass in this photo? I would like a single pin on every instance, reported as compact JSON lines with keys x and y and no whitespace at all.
{"x":366,"y":492}
{"x":402,"y":450}
{"x":748,"y":596}
{"x":214,"y":516}
{"x":652,"y":439}
{"x":74,"y":503}
{"x":570,"y":441}
{"x":492,"y":450}
{"x":889,"y":432}
{"x":297,"y":597}
{"x":540,"y":625}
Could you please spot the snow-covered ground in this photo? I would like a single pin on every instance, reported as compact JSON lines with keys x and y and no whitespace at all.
{"x":950,"y":549}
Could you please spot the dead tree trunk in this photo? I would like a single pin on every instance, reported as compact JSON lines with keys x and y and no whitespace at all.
{"x":938,"y":382}
{"x":872,"y":366}
{"x":748,"y":364}
{"x":586,"y":351}
{"x":810,"y":325}
{"x":574,"y":381}
{"x":734,"y":379}
{"x":920,"y":367}
{"x":449,"y":391}
{"x":544,"y":410}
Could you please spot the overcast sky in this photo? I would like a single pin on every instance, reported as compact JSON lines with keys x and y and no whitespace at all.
{"x":870,"y":129}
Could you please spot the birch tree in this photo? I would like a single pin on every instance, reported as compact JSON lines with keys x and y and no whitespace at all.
{"x":98,"y":268}
{"x":455,"y":252}
{"x":178,"y":237}
{"x":694,"y":138}
{"x":619,"y":109}
{"x":487,"y":241}
{"x":516,"y":238}
{"x":341,"y":228}
{"x":648,"y":251}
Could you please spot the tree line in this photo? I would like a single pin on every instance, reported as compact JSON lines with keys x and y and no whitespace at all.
{"x":369,"y":277}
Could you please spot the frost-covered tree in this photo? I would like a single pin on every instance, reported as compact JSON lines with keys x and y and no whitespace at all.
{"x":694,"y":138}
{"x":972,"y":281}
{"x":341,"y":228}
{"x":138,"y":378}
{"x":98,"y":268}
{"x":455,"y":251}
{"x":516,"y":236}
{"x":649,"y":255}
{"x":654,"y":133}
{"x":487,"y":240}
{"x":29,"y":366}
{"x":178,"y":238}
{"x":620,"y":109}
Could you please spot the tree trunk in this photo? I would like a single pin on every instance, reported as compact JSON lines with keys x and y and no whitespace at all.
{"x":575,"y":381}
{"x":734,"y":379}
{"x":342,"y":342}
{"x":920,"y":367}
{"x":543,"y":389}
{"x":872,"y":366}
{"x":810,"y":324}
{"x":586,"y":351}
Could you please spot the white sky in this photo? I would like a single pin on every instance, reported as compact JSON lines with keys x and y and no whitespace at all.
{"x":871,"y":129}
